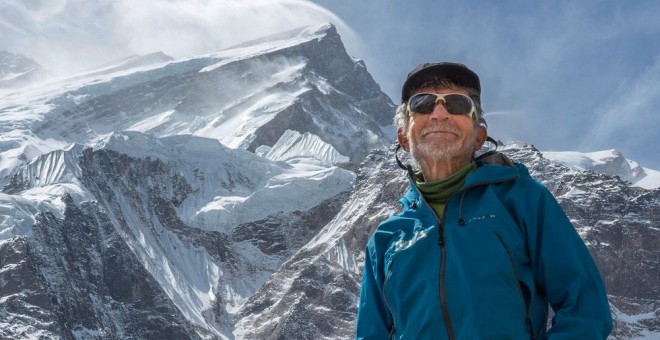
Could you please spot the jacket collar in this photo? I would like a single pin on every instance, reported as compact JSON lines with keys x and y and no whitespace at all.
{"x":482,"y":175}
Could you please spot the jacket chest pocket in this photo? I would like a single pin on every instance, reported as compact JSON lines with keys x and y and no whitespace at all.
{"x":488,"y":262}
{"x":523,"y":289}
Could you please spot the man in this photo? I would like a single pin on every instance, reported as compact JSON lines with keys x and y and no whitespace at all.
{"x":480,"y":249}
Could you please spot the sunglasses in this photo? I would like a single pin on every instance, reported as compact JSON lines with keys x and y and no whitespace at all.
{"x":454,"y":103}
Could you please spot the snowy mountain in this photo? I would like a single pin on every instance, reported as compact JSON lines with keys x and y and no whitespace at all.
{"x":243,"y":97}
{"x":230,"y":196}
{"x":18,"y":71}
{"x":146,"y":165}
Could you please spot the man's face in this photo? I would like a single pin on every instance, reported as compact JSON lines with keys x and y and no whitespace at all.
{"x":440,"y":136}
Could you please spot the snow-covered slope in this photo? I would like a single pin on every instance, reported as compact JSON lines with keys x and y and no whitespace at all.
{"x":608,"y":162}
{"x":244,"y":97}
{"x":147,"y":163}
{"x":130,"y":62}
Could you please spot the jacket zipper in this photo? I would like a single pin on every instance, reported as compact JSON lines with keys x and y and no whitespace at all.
{"x":528,"y":321}
{"x":443,"y":265}
{"x":387,"y":303}
{"x":443,"y":250}
{"x":443,"y":288}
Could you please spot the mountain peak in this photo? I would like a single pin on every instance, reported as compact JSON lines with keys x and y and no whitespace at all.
{"x":300,"y":34}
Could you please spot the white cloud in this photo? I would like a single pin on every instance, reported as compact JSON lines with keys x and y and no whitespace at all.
{"x":630,"y":117}
{"x":70,"y":35}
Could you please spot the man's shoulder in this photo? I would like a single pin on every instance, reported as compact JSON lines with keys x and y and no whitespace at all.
{"x":494,"y":158}
{"x":510,"y":180}
{"x":495,"y":161}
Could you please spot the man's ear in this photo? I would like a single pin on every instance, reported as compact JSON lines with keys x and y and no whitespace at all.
{"x":403,"y":140}
{"x":482,"y":135}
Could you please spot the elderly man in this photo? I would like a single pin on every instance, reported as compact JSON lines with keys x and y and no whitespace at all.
{"x":480,"y":249}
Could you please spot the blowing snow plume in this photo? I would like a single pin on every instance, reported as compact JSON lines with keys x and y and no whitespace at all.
{"x":73,"y":35}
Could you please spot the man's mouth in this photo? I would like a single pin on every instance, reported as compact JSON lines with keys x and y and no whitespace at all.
{"x":438,"y":132}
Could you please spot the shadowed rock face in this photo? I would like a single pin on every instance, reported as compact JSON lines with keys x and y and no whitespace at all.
{"x":76,"y":277}
{"x":26,"y":308}
{"x":617,"y":221}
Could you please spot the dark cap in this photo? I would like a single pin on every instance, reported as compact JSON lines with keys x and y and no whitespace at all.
{"x":458,"y":74}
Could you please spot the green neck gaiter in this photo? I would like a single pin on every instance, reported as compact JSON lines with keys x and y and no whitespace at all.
{"x":437,"y":193}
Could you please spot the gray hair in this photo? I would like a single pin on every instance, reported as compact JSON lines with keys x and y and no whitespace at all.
{"x":402,"y":120}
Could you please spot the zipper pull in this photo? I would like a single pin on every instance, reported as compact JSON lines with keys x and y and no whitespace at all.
{"x":441,"y":232}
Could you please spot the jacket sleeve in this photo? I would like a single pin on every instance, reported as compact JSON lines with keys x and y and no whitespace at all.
{"x":373,"y":318}
{"x":565,"y":270}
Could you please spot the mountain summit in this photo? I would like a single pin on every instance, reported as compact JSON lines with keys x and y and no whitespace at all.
{"x":134,"y":204}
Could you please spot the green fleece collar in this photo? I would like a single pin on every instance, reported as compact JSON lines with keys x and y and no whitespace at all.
{"x":440,"y":191}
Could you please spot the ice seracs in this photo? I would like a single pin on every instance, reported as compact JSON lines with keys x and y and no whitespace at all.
{"x":293,"y":144}
{"x":608,"y":162}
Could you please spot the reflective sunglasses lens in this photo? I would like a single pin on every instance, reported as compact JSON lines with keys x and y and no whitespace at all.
{"x":422,"y":103}
{"x":457,"y":104}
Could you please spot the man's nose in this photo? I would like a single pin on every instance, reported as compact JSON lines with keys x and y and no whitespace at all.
{"x":439,"y":111}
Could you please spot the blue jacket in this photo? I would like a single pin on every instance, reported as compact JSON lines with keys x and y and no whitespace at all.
{"x":488,"y":271}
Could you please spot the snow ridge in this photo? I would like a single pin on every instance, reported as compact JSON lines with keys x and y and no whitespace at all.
{"x":608,"y":162}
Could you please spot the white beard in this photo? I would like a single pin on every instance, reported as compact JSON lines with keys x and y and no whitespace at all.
{"x":436,"y":148}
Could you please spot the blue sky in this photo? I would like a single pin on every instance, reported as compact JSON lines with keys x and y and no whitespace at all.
{"x":562,"y":75}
